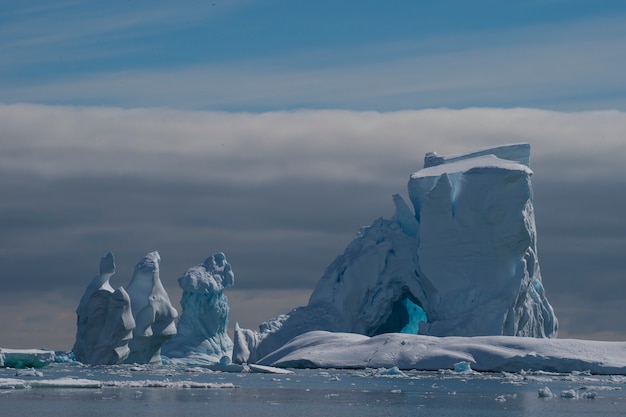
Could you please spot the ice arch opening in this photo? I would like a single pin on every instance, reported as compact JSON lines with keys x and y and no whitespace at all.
{"x":405,"y":317}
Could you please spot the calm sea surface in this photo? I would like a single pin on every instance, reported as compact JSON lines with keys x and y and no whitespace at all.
{"x":130,"y":390}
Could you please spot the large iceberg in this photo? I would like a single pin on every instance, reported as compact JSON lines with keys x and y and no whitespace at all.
{"x":152,"y":310}
{"x":104,"y":320}
{"x":463,"y":262}
{"x":202,"y":335}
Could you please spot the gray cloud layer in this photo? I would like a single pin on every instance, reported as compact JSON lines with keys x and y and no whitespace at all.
{"x":281,"y":193}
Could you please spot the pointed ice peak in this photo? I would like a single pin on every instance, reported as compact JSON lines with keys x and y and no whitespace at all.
{"x":150,"y":262}
{"x":404,"y":216}
{"x":107,"y":264}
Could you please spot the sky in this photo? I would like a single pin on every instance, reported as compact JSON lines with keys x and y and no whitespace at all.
{"x":273,"y":130}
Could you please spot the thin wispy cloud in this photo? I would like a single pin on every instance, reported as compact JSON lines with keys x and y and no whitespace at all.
{"x":560,"y":66}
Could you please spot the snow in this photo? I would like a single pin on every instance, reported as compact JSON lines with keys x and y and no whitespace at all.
{"x":25,"y":358}
{"x":518,"y":152}
{"x":463,"y":263}
{"x":321,"y":349}
{"x":201,"y":332}
{"x":69,"y":382}
{"x":49,"y":383}
{"x":463,"y":165}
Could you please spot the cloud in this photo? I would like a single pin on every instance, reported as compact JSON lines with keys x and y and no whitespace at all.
{"x":282,"y":193}
{"x":560,"y":66}
{"x":362,"y":147}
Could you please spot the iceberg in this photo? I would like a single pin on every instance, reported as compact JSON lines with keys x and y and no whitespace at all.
{"x":152,"y":310}
{"x":133,"y":325}
{"x":321,"y":349}
{"x":462,"y":262}
{"x":201,"y":331}
{"x":25,"y":358}
{"x":104,"y":320}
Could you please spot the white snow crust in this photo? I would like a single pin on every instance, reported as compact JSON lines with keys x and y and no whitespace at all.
{"x":320,"y":349}
{"x":13,"y":383}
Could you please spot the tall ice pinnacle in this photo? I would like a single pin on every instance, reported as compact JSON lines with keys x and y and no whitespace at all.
{"x":152,"y":310}
{"x":104,"y":320}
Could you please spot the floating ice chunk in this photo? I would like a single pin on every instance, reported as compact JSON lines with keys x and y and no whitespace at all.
{"x":50,"y":383}
{"x":28,"y":372}
{"x":463,"y":367}
{"x":65,"y":383}
{"x":167,"y":384}
{"x":570,"y":393}
{"x":12,"y":383}
{"x":262,"y":369}
{"x":25,"y":358}
{"x":545,"y":392}
{"x":393,"y":371}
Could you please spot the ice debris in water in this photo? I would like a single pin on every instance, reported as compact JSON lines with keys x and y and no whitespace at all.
{"x":463,"y":367}
{"x":545,"y":392}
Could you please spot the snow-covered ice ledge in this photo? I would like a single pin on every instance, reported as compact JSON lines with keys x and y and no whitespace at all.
{"x":320,"y":349}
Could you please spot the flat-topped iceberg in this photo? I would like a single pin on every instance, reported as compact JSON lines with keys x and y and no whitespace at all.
{"x":25,"y":358}
{"x":481,"y":353}
{"x":462,"y":262}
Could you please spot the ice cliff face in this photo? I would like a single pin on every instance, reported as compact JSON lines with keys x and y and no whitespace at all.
{"x":104,"y":320}
{"x":463,"y":263}
{"x":152,"y":310}
{"x":477,"y":244}
{"x":202,"y":327}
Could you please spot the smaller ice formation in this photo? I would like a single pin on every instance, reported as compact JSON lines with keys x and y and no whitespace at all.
{"x":203,"y":323}
{"x":133,"y":325}
{"x":152,"y":310}
{"x":463,"y":262}
{"x":25,"y":358}
{"x":104,"y":320}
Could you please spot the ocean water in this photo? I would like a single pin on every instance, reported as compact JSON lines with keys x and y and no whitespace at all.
{"x":169,"y":391}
